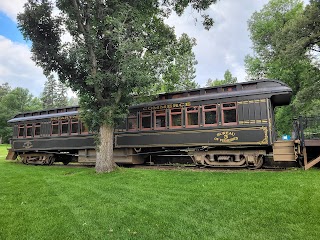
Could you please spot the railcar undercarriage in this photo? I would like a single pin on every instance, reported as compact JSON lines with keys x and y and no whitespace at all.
{"x":37,"y":158}
{"x":202,"y":157}
{"x":229,"y":158}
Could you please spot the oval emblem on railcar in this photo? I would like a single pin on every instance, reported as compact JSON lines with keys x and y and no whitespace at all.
{"x":226,"y":137}
{"x":27,"y":145}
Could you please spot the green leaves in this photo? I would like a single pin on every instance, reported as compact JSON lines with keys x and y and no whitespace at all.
{"x":285,"y":35}
{"x":228,"y":79}
{"x":13,"y":102}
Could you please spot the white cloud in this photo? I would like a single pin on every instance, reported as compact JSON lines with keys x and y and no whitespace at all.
{"x":12,"y":7}
{"x":17,"y":68}
{"x":223,"y":47}
{"x":226,"y":44}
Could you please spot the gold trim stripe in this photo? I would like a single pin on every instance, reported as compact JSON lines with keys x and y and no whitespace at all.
{"x":252,"y":101}
{"x":192,"y":131}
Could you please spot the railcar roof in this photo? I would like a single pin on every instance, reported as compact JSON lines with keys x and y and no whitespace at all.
{"x":45,"y":116}
{"x":250,"y":88}
{"x":261,"y":82}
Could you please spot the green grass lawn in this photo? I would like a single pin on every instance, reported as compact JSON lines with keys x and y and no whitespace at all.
{"x":57,"y":202}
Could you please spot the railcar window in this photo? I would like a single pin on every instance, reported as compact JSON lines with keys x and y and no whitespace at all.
{"x":210,"y":114}
{"x":229,"y":89}
{"x":160,"y":119}
{"x":192,"y":116}
{"x":74,"y":126}
{"x":54,"y":128}
{"x":132,"y":122}
{"x":29,"y":130}
{"x":229,"y":113}
{"x":21,"y":131}
{"x":145,"y":120}
{"x":176,"y":96}
{"x":64,"y":126}
{"x":37,"y":129}
{"x":176,"y":117}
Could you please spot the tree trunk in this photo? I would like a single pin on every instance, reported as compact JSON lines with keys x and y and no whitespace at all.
{"x":104,"y":159}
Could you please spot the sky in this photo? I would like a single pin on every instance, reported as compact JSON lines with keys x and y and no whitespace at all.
{"x":223,"y":47}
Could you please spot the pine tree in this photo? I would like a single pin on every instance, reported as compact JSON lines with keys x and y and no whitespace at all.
{"x":61,"y":95}
{"x":49,"y":94}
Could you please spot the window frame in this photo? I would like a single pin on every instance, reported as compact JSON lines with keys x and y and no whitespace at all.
{"x":64,"y":122}
{"x":192,"y":111}
{"x":21,"y":126}
{"x":28,"y":126}
{"x":142,"y":115}
{"x":175,"y":113}
{"x":55,"y":123}
{"x":229,"y":108}
{"x":132,"y":116}
{"x":163,"y":113}
{"x":204,"y":111}
{"x":72,"y":122}
{"x":37,"y":125}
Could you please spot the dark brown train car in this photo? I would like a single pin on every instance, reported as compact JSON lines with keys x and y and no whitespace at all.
{"x":57,"y":135}
{"x":230,"y":125}
{"x":49,"y":135}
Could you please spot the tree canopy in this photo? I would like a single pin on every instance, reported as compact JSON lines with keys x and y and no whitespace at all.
{"x":12,"y":102}
{"x":286,"y":37}
{"x":228,"y":79}
{"x":54,"y":94}
{"x":118,"y":48}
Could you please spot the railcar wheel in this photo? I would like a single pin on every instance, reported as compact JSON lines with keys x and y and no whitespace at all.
{"x":258,"y":164}
{"x":23,"y":159}
{"x":51,"y":160}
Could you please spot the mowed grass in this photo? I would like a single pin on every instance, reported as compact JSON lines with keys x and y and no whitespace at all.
{"x":57,"y":202}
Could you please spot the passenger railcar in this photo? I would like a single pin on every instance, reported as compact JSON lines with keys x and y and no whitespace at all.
{"x":230,"y":125}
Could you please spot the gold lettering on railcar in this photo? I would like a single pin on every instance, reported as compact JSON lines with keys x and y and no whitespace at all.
{"x":27,"y":145}
{"x":167,"y":106}
{"x":64,"y":118}
{"x":226,"y":137}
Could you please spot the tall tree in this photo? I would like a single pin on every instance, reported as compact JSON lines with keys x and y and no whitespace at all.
{"x":4,"y":89}
{"x":180,"y":73}
{"x":285,"y":39}
{"x":228,"y":79}
{"x":49,"y":94}
{"x":118,"y":48}
{"x":54,"y":93}
{"x":73,"y":101}
{"x":62,"y":98}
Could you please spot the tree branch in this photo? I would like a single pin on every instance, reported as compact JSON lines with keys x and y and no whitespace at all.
{"x":85,"y":29}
